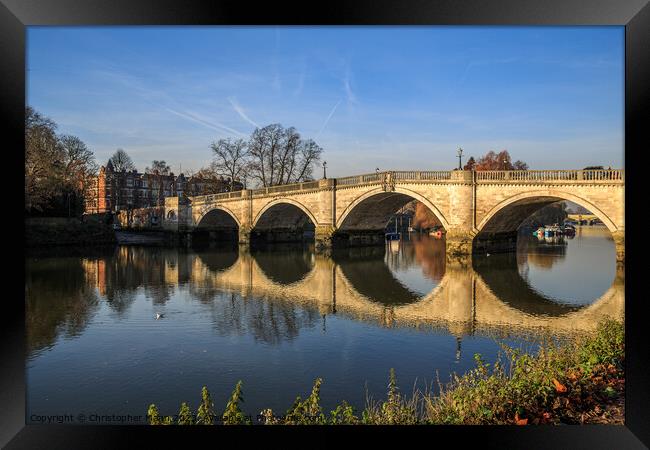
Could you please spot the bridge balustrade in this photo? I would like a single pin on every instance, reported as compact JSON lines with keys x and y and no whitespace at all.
{"x":287,"y":188}
{"x":549,"y":175}
{"x":415,"y":175}
{"x":435,"y":175}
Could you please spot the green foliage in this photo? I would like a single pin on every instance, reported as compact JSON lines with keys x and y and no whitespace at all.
{"x":533,"y":384}
{"x":205,"y":414}
{"x":606,"y":347}
{"x":537,"y":387}
{"x":307,"y":412}
{"x":395,"y":410}
{"x":153,"y":416}
{"x":185,"y":415}
{"x":268,"y":418}
{"x":343,"y":414}
{"x":233,"y":415}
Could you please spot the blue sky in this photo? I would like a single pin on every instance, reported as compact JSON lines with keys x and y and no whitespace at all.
{"x":387,"y":97}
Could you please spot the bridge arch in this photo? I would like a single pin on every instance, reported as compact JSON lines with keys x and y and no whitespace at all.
{"x":283,"y":220}
{"x":279,"y":202}
{"x":511,"y":212}
{"x":215,"y":213}
{"x":390,"y":208}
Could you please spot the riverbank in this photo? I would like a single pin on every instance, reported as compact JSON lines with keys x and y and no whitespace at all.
{"x":576,"y":382}
{"x":59,"y":231}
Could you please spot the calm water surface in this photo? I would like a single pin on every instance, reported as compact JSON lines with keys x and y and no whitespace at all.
{"x":277,"y":319}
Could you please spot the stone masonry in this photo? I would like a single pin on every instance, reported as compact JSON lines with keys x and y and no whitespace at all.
{"x":480,"y":211}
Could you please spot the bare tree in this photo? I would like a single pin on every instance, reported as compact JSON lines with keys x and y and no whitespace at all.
{"x":79,"y":161}
{"x":121,"y":161}
{"x":78,"y":169}
{"x":280,"y":156}
{"x":158,"y":168}
{"x":230,"y":159}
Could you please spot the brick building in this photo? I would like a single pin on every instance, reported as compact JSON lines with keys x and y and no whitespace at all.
{"x":113,"y":191}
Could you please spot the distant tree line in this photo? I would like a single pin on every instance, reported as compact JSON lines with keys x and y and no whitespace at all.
{"x":57,"y":168}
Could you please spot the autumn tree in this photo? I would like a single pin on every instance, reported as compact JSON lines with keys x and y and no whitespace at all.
{"x":470,"y":164}
{"x":495,"y":161}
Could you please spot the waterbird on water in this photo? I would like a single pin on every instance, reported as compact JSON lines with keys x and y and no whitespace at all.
{"x":159,"y":315}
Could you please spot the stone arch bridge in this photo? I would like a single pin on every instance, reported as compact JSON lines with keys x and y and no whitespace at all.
{"x":480,"y":210}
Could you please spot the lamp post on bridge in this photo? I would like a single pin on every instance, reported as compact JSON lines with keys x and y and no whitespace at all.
{"x":460,"y":155}
{"x":324,"y":170}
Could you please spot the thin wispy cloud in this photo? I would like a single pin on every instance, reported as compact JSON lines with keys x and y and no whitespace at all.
{"x":215,"y":126}
{"x":147,"y":94}
{"x":348,"y":88}
{"x":239,"y":110}
{"x":301,"y":84}
{"x":431,"y":89}
{"x":329,"y":116}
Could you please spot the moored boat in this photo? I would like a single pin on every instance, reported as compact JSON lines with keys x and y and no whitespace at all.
{"x":569,"y":229}
{"x":437,"y":232}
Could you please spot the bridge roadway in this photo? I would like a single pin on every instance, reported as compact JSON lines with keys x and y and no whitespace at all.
{"x":480,"y":210}
{"x":467,"y":299}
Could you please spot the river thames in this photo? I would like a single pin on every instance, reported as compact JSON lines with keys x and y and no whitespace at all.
{"x":110,"y":332}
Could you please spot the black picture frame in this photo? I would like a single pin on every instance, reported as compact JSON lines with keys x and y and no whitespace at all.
{"x":16,"y":15}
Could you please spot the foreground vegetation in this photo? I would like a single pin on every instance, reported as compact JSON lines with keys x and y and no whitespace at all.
{"x":577,"y":382}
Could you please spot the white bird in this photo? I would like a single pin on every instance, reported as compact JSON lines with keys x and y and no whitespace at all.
{"x":159,"y":315}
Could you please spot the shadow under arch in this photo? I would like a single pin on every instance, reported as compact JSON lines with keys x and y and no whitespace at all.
{"x":498,"y":229}
{"x":283,"y":220}
{"x":364,"y":220}
{"x":285,"y":265}
{"x":217,"y":224}
{"x":501,"y":275}
{"x":372,"y":210}
{"x":368,"y":274}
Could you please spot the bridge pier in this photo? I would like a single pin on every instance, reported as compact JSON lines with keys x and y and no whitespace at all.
{"x":500,"y":242}
{"x":244,"y":236}
{"x":458,"y":247}
{"x":328,"y":237}
{"x":324,"y":236}
{"x":619,"y":242}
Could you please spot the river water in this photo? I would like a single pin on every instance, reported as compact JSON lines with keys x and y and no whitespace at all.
{"x":280,"y":317}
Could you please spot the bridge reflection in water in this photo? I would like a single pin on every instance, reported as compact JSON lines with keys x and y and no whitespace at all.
{"x":405,"y":284}
{"x":279,"y":317}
